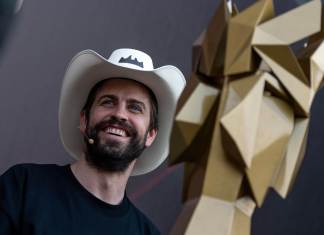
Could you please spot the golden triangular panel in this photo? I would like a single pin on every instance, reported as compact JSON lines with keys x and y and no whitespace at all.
{"x":257,"y":13}
{"x":239,"y":56}
{"x":211,"y":216}
{"x":270,"y":145}
{"x":304,"y":55}
{"x":197,"y":154}
{"x":190,"y":119}
{"x":291,"y":26}
{"x":300,"y":93}
{"x":190,"y":88}
{"x":214,"y":216}
{"x":198,"y":105}
{"x":261,"y":37}
{"x":242,"y":217}
{"x":286,"y":58}
{"x":274,"y":87}
{"x":223,"y":179}
{"x":182,"y":135}
{"x":200,"y":142}
{"x":264,"y":67}
{"x":241,"y":223}
{"x":291,"y":163}
{"x":317,"y":67}
{"x":213,"y":45}
{"x":238,"y":90}
{"x":242,"y":121}
{"x":238,"y":49}
{"x":245,"y":61}
{"x":320,"y":35}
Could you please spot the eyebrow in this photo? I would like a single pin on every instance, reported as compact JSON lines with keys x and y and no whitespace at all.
{"x":137,"y":102}
{"x":113,"y":97}
{"x":132,"y":101}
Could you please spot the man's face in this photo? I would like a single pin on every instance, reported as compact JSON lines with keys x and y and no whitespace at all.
{"x":118,"y":122}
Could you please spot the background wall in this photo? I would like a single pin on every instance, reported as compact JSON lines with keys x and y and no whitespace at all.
{"x":49,"y":33}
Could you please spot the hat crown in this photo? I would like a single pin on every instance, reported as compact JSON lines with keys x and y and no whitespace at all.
{"x":131,"y":58}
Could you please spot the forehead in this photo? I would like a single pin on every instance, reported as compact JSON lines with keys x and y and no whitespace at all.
{"x":124,"y":88}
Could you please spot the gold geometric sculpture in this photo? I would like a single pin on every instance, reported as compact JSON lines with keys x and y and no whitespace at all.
{"x":241,"y":124}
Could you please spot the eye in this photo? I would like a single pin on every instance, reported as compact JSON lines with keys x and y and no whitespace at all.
{"x":107,"y":102}
{"x":135,"y":108}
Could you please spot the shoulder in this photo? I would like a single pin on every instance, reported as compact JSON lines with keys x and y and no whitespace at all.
{"x":148,"y":227}
{"x":30,"y":167}
{"x":23,"y":180}
{"x":15,"y":172}
{"x":21,"y":172}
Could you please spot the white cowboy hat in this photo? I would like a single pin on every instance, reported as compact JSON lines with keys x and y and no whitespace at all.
{"x":88,"y":68}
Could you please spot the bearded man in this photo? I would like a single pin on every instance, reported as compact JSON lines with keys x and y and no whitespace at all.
{"x":115,"y":118}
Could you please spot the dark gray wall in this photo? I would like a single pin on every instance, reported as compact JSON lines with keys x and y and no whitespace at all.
{"x":47,"y":36}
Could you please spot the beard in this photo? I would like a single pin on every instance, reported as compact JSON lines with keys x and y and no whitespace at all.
{"x":112,"y":155}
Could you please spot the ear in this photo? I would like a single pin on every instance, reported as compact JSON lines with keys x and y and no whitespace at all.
{"x":150,"y":137}
{"x":83,"y":122}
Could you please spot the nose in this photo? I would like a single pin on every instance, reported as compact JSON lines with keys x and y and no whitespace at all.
{"x":120,"y":112}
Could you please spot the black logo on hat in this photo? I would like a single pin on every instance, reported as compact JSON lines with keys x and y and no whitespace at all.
{"x":130,"y":61}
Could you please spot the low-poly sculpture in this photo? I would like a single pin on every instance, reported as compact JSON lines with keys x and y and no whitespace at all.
{"x":241,"y":125}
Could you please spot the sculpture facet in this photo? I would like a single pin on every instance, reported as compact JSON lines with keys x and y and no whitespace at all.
{"x":245,"y":119}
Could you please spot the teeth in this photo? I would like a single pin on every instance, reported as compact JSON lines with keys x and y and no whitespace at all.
{"x":116,"y":131}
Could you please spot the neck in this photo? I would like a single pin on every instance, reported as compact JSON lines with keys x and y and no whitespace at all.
{"x":107,"y":186}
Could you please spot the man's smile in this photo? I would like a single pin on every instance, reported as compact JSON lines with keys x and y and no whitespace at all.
{"x":116,"y":131}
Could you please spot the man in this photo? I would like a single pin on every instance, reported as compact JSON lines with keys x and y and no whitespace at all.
{"x":115,"y":118}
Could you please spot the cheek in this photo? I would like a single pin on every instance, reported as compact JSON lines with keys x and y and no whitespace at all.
{"x":97,"y":115}
{"x":141,"y":124}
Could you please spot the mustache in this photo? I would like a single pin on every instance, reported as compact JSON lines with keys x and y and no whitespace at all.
{"x":114,"y":121}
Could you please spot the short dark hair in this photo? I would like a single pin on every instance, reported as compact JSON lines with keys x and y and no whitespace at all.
{"x":153,"y":103}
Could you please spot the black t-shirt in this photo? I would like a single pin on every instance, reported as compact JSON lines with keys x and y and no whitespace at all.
{"x":49,"y":200}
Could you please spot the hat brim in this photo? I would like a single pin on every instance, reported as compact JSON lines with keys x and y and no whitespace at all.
{"x":88,"y":68}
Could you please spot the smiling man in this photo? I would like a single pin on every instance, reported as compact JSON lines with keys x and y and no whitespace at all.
{"x":115,"y":118}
